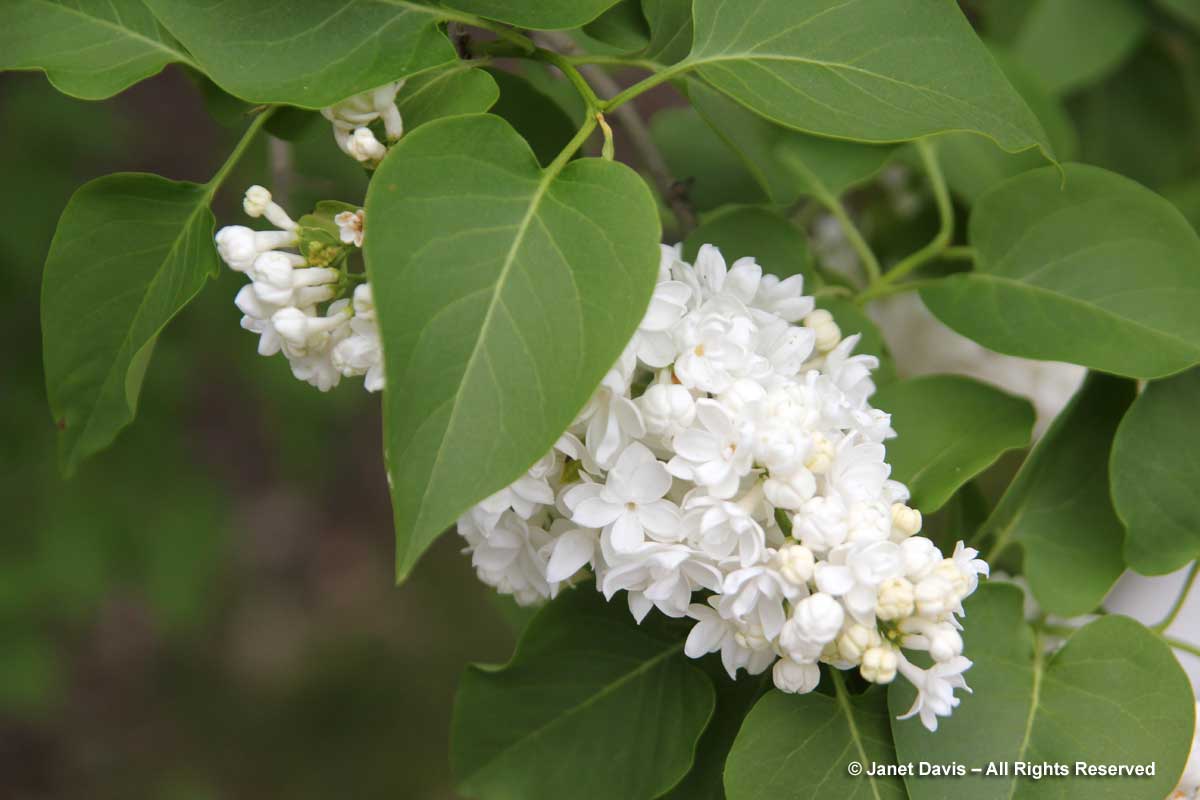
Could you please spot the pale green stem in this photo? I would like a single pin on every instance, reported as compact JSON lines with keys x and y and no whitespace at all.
{"x":239,"y":150}
{"x":1181,"y":599}
{"x":945,"y":210}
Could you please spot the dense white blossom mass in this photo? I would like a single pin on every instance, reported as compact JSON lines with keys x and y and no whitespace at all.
{"x":730,"y":469}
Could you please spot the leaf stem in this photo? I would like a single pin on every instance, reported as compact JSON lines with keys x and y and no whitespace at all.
{"x":882,"y":289}
{"x":644,"y":85}
{"x":1179,"y":601}
{"x":594,"y":103}
{"x":962,"y":253}
{"x":834,"y":206}
{"x":214,"y":183}
{"x":1182,"y":645}
{"x":639,"y":135}
{"x":945,"y":209}
{"x":560,"y":160}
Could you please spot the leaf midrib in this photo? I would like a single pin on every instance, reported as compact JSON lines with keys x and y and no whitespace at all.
{"x":1035,"y":698}
{"x":855,"y":736}
{"x":547,"y":177}
{"x":607,"y":689}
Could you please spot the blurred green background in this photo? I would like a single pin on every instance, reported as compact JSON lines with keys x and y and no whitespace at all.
{"x":207,"y":610}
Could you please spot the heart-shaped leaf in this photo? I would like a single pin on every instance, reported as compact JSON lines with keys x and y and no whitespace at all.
{"x":130,"y":251}
{"x":1082,"y":266}
{"x":504,"y":294}
{"x":1154,"y":475}
{"x":799,"y":747}
{"x":90,"y":49}
{"x":592,"y":706}
{"x":311,"y":53}
{"x":1114,"y":694}
{"x":949,"y":429}
{"x":1058,"y":507}
{"x":869,"y":70}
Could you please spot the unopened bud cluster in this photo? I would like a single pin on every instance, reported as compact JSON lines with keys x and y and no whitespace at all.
{"x":732,"y":451}
{"x":303,"y":309}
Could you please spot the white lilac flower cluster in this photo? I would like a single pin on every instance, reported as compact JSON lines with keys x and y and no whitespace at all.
{"x":283,"y":302}
{"x":351,"y":118}
{"x":733,"y":452}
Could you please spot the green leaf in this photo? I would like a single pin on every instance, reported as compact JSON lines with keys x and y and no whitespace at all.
{"x":592,"y":706}
{"x":785,"y":163}
{"x":1100,"y":272}
{"x":505,"y":293}
{"x":713,"y":171}
{"x":540,"y":15}
{"x":130,"y":251}
{"x":973,"y":164}
{"x":798,"y":746}
{"x":536,"y":116}
{"x":735,"y":698}
{"x":1071,"y":43}
{"x":459,"y":89}
{"x":621,"y":26}
{"x":910,"y":68}
{"x":775,"y":243}
{"x":1113,"y":695}
{"x":90,"y":49}
{"x":312,"y":54}
{"x":949,"y":429}
{"x":1058,"y":507}
{"x":1154,"y":475}
{"x":670,"y":24}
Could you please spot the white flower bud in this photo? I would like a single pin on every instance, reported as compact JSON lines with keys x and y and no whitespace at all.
{"x":855,"y":640}
{"x":363,"y":146}
{"x":821,"y":323}
{"x":879,"y":664}
{"x":256,"y":201}
{"x":948,"y":570}
{"x":934,"y":596}
{"x":791,"y":492}
{"x":920,"y":557}
{"x":906,"y":521}
{"x":795,"y":562}
{"x":794,"y":677}
{"x":945,"y":643}
{"x":815,"y":621}
{"x":895,"y":599}
{"x":239,"y":246}
{"x":667,"y":408}
{"x":820,"y":457}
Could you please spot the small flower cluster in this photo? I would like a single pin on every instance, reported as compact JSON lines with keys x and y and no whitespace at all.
{"x":351,"y":118}
{"x":732,"y":451}
{"x":283,"y":302}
